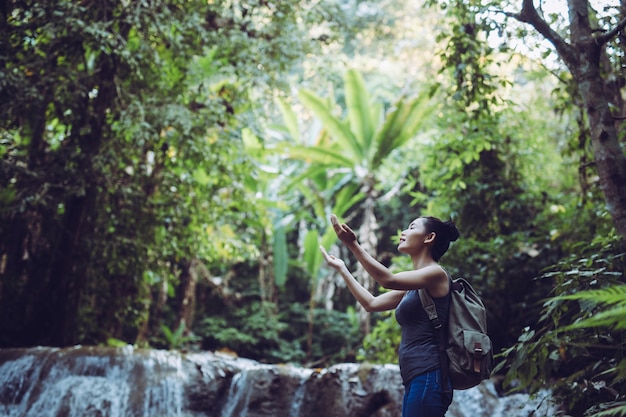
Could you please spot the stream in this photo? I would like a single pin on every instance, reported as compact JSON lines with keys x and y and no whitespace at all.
{"x":129,"y":382}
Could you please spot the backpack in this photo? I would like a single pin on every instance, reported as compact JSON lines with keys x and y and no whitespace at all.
{"x":468,"y":352}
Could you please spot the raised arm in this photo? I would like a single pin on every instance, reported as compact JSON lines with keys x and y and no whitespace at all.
{"x":432,"y":277}
{"x":371,"y":303}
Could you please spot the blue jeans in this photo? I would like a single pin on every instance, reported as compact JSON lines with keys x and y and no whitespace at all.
{"x":424,"y":396}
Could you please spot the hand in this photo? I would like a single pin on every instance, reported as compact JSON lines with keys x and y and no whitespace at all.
{"x":332,"y":261}
{"x":343,"y":231}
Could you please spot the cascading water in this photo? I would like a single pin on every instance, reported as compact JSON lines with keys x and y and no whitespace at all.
{"x":239,"y":397}
{"x":128,"y":382}
{"x":87,"y":382}
{"x":298,"y":397}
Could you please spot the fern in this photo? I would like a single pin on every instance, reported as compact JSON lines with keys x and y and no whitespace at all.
{"x":577,"y":346}
{"x":612,"y":298}
{"x":617,"y":409}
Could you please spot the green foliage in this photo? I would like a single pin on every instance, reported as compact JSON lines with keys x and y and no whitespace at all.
{"x":140,"y":145}
{"x":311,"y":251}
{"x":467,"y":57}
{"x":256,"y":331}
{"x":175,"y":339}
{"x":382,"y":343}
{"x":335,"y":335}
{"x":577,"y":346}
{"x":479,"y":181}
{"x":121,"y":163}
{"x":366,"y":135}
{"x":612,"y":299}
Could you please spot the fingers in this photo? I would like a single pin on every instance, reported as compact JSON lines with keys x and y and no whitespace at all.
{"x":328,"y":258}
{"x":343,"y":231}
{"x":338,"y":227}
{"x":335,"y":223}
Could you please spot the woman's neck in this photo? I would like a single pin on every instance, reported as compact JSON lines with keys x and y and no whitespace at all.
{"x":423,"y":259}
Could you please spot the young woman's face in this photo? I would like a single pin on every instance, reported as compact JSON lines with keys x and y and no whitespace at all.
{"x":413,"y":237}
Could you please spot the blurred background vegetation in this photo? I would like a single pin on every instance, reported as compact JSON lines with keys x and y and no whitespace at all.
{"x":168,"y":168}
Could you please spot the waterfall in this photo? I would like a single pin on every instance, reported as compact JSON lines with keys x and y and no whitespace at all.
{"x":238,"y":397}
{"x":129,"y":382}
{"x":298,"y":397}
{"x":85,"y":382}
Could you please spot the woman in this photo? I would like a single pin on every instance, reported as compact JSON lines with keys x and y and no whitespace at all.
{"x":425,"y":240}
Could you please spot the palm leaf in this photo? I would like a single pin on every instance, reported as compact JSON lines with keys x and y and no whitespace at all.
{"x":317,"y":154}
{"x":314,"y":198}
{"x":359,"y":110}
{"x":311,"y":248}
{"x":313,"y":172}
{"x":280,"y":255}
{"x":337,"y":129}
{"x":290,"y":118}
{"x":399,"y":126}
{"x":346,"y":198}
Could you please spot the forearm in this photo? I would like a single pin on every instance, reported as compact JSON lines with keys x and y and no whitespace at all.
{"x":363,"y":296}
{"x":378,"y":271}
{"x":383,"y":302}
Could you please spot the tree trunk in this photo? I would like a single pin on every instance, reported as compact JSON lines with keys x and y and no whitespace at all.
{"x":583,"y":58}
{"x":68,"y":272}
{"x":608,"y":155}
{"x":187,"y":294}
{"x":369,"y":242}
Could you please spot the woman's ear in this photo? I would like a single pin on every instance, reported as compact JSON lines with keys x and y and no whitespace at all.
{"x":430,"y":238}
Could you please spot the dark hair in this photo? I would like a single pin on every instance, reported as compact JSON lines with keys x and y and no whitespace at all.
{"x":445,"y":232}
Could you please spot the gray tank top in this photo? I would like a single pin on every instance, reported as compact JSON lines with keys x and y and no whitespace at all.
{"x":418,"y":347}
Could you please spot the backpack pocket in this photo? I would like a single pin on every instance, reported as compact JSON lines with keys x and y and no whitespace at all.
{"x":478,"y":348}
{"x":472,"y":361}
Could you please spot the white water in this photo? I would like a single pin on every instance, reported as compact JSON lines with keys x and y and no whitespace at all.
{"x":52,"y":382}
{"x":298,"y":397}
{"x":100,"y":382}
{"x":238,"y":396}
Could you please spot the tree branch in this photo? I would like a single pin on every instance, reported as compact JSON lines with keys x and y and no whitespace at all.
{"x":529,"y":15}
{"x":607,"y":36}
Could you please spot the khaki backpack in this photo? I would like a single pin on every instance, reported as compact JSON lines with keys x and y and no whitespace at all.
{"x":468,"y":350}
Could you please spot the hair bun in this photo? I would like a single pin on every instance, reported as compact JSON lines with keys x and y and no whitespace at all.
{"x":453,"y":232}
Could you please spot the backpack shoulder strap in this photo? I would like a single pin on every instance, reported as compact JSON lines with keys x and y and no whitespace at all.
{"x":431,"y":311}
{"x":429,"y":306}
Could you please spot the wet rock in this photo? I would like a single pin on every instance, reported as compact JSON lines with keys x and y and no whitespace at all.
{"x":124,"y":382}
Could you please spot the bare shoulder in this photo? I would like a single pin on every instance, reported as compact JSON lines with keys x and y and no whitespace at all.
{"x":439,"y":282}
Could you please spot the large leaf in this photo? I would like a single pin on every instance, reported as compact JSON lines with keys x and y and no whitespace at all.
{"x":360,"y":111}
{"x":420,"y":109}
{"x":311,"y":248}
{"x":338,"y":130}
{"x":313,"y":173}
{"x":400,"y":125}
{"x":314,"y":198}
{"x":290,"y":118}
{"x":280,"y":256}
{"x":312,"y":254}
{"x":318,"y":155}
{"x":346,"y":198}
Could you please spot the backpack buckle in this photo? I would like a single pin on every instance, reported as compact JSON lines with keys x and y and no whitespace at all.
{"x":478,"y":354}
